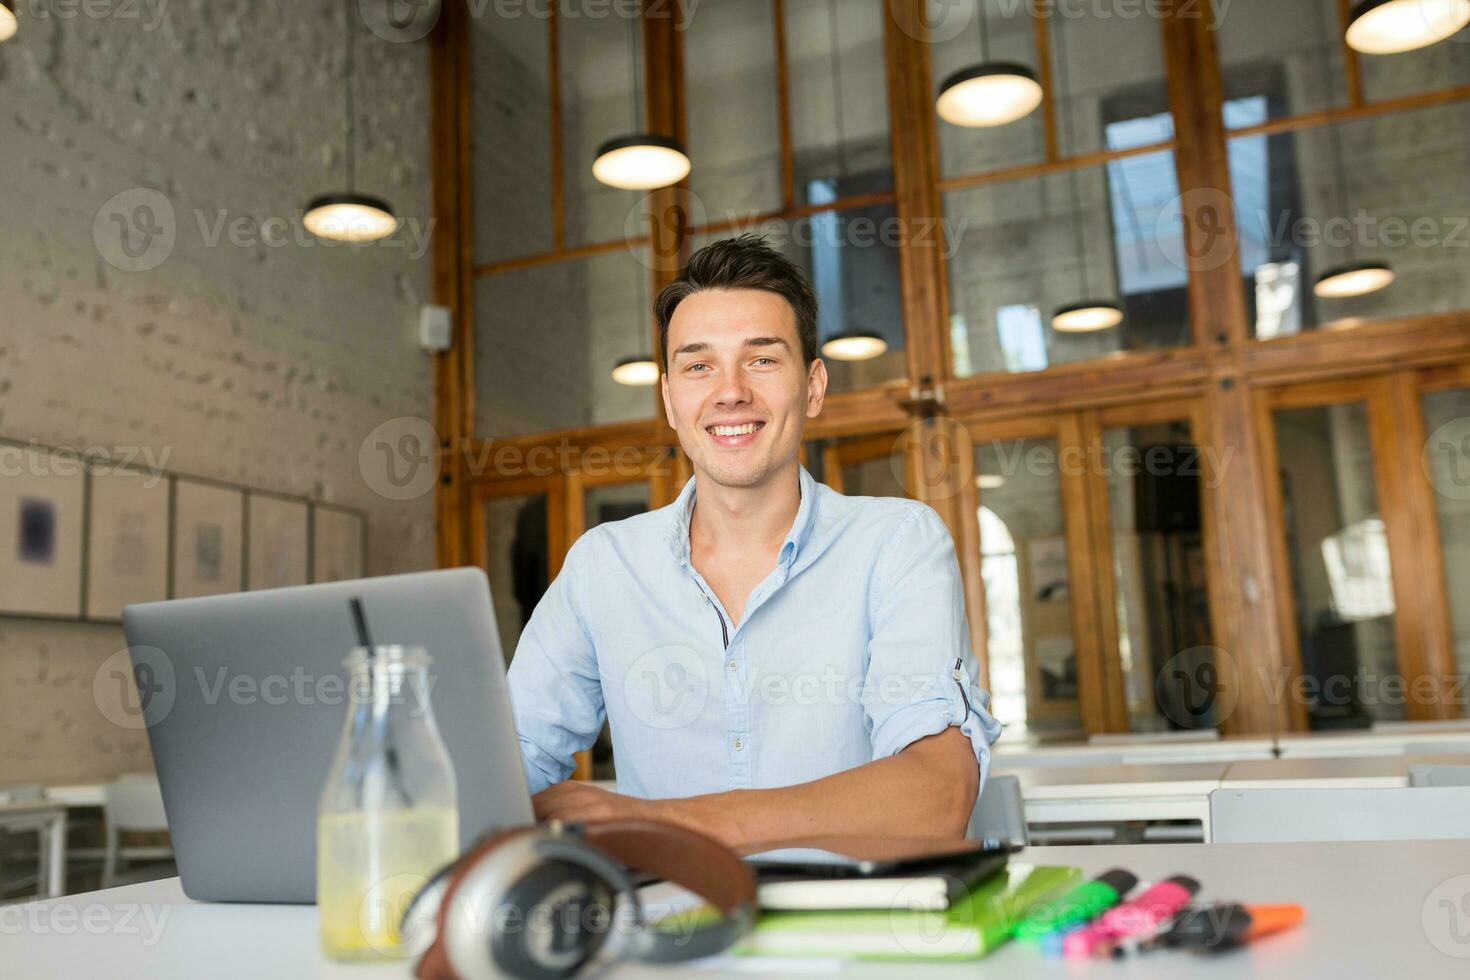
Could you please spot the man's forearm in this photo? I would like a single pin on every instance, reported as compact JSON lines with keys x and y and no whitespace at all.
{"x":927,"y":790}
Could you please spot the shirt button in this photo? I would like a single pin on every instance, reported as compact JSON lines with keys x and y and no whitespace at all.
{"x":731,"y":665}
{"x":739,"y":745}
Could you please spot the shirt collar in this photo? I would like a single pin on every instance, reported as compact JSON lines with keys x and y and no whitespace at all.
{"x":801,"y":528}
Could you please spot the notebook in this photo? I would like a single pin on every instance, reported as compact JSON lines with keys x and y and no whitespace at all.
{"x":968,"y":929}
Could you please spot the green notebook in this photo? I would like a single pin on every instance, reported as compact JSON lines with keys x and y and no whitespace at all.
{"x":968,"y":929}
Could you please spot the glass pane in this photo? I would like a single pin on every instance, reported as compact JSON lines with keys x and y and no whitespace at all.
{"x":516,"y":561}
{"x":547,"y":338}
{"x":1154,"y":476}
{"x":1022,"y":249}
{"x":510,"y":136}
{"x":851,"y":260}
{"x":599,"y":61}
{"x":1028,"y":608}
{"x":1338,"y":551}
{"x":1108,"y":79}
{"x":1447,"y":457}
{"x":1279,"y":59}
{"x":732,"y":124}
{"x":839,"y":98}
{"x":614,"y":502}
{"x":1391,"y":189}
{"x":1010,"y":36}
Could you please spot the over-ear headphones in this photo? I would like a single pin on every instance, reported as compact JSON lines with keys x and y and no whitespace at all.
{"x":539,"y":903}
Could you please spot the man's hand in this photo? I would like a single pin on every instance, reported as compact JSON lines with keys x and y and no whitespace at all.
{"x":572,"y":802}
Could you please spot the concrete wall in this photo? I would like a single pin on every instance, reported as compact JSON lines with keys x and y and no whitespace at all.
{"x":261,"y":364}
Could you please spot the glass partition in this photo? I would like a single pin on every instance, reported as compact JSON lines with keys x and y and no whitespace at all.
{"x":1390,"y":190}
{"x":517,"y":561}
{"x":1023,"y":249}
{"x":1337,"y":550}
{"x":1447,"y":464}
{"x":547,"y":338}
{"x":1028,"y":597}
{"x":1154,"y":477}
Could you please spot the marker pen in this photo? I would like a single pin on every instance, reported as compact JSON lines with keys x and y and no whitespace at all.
{"x":1217,"y":927}
{"x":1135,"y":918}
{"x":1079,"y":905}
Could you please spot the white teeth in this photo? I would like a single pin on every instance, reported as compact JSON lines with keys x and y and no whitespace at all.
{"x":733,"y":430}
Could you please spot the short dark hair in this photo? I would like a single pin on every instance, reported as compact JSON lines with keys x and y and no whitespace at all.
{"x":746,"y":262}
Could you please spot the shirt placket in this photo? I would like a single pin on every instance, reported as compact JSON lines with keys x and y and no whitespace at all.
{"x":738,"y":748}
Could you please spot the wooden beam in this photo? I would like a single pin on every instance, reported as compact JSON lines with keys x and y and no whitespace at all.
{"x":1084,"y":578}
{"x":1041,"y":21}
{"x":783,"y":105}
{"x":452,"y":372}
{"x":558,"y":163}
{"x":915,"y":180}
{"x":1352,"y":73}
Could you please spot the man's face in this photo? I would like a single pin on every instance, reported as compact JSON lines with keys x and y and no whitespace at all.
{"x":736,"y":390}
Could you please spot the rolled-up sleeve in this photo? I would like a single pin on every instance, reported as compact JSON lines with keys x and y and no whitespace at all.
{"x":555,"y":688}
{"x":920,"y":670}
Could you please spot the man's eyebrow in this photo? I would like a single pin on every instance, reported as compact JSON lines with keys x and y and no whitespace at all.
{"x":701,"y":347}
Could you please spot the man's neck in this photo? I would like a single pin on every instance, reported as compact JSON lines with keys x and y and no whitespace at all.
{"x":756,"y":517}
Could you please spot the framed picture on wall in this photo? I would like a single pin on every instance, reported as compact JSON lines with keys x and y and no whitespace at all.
{"x":277,"y":544}
{"x":127,"y":540}
{"x":208,"y":539}
{"x":41,"y":499}
{"x":338,"y":540}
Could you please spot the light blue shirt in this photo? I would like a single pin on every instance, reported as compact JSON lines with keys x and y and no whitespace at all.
{"x":853,"y":647}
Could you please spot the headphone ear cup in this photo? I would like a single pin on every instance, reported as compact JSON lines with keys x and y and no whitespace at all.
{"x":553,"y":920}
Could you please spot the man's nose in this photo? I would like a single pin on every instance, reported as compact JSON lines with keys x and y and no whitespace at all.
{"x":734,"y":389}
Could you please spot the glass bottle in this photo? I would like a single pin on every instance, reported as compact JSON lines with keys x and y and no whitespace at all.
{"x":388,"y":816}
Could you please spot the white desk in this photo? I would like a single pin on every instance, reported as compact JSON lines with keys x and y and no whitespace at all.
{"x":1103,"y":794}
{"x":48,"y":820}
{"x":1331,"y":772}
{"x":1382,"y":909}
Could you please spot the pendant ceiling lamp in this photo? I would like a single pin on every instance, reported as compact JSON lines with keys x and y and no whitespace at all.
{"x":991,"y":93}
{"x":7,"y":20}
{"x":1089,"y":314}
{"x":854,"y":345}
{"x":1395,"y":26}
{"x":1354,"y":277}
{"x":639,"y":370}
{"x":639,"y":161}
{"x":348,"y":216}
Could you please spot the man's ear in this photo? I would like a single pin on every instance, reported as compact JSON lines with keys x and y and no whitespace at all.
{"x":663,"y":385}
{"x":816,"y":388}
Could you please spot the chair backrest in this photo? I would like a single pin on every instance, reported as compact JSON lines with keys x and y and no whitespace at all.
{"x":1444,"y":746}
{"x":1267,"y":816}
{"x":1431,"y":775}
{"x":1000,"y":812}
{"x":134,"y":803}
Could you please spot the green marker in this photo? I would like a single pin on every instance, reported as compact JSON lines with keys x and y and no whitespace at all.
{"x":1077,"y":906}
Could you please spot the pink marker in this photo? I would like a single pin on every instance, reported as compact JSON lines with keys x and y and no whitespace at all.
{"x":1138,"y":917}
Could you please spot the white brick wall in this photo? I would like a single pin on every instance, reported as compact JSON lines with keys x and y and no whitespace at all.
{"x":262,"y":365}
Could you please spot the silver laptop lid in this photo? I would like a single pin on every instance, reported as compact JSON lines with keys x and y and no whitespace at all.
{"x":246,"y":700}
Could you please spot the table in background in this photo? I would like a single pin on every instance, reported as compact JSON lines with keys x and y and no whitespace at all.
{"x":1090,"y":795}
{"x":1332,"y":772}
{"x":1379,"y":909}
{"x":48,"y":819}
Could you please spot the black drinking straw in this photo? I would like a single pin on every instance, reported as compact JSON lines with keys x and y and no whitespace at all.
{"x":365,"y":639}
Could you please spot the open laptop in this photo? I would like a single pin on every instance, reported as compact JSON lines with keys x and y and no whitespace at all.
{"x":243,"y":732}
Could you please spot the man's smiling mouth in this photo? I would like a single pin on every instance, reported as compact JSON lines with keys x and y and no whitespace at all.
{"x":745,"y":428}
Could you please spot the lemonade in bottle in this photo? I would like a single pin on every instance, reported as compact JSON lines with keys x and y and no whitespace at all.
{"x":388,"y":816}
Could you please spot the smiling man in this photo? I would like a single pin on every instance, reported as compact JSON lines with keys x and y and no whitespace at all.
{"x":775,"y":659}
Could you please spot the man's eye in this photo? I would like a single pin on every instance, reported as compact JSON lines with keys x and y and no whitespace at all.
{"x":697,"y":367}
{"x":765,"y":360}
